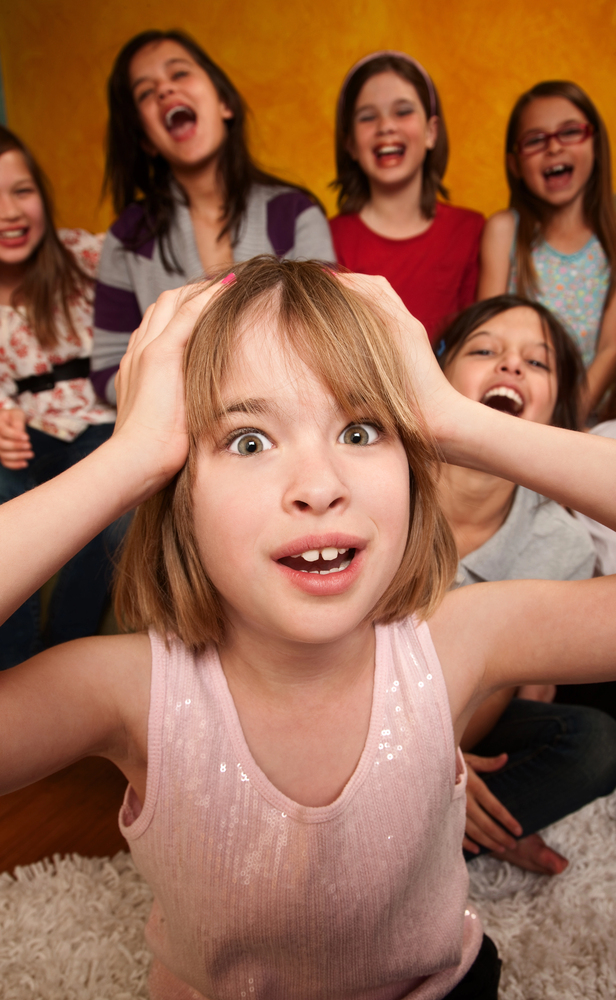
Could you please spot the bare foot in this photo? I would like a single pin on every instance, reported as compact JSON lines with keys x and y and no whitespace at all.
{"x":537,"y":692}
{"x":533,"y":854}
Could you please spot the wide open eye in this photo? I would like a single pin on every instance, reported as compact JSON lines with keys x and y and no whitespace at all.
{"x":249,"y":443}
{"x":359,"y":434}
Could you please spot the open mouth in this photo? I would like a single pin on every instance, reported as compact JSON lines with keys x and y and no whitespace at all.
{"x":391,"y":149}
{"x":558,"y":170}
{"x":13,"y":234}
{"x":503,"y":398}
{"x":179,"y":120}
{"x":322,"y":561}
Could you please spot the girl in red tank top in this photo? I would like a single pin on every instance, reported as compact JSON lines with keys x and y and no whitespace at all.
{"x":391,"y":155}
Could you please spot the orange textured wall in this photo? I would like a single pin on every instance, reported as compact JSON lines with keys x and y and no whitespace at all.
{"x":288,"y":59}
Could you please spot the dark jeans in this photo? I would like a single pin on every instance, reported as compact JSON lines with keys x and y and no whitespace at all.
{"x":481,"y":980}
{"x":560,"y":758}
{"x":79,"y":596}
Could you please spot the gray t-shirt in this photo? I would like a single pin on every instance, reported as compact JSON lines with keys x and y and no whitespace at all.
{"x":539,"y":540}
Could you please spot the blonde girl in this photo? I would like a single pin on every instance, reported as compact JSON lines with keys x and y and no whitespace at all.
{"x":289,"y":726}
{"x":557,"y":241}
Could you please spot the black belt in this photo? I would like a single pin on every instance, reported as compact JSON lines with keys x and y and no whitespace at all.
{"x":78,"y":368}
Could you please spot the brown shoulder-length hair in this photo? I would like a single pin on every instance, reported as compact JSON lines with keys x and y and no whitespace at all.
{"x":132,"y":174}
{"x":533,"y":213}
{"x":352,"y":184}
{"x":161,"y":581}
{"x":570,"y":371}
{"x":53,"y":277}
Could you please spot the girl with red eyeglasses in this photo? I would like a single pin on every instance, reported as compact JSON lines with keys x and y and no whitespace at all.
{"x":556,"y":242}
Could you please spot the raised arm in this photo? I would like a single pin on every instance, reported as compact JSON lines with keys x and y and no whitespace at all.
{"x":575,"y":469}
{"x":42,"y":529}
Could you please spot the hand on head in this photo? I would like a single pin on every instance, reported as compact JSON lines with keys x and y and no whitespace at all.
{"x":15,"y":448}
{"x":150,"y":383}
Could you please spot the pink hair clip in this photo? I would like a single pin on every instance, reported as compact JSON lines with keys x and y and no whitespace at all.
{"x":228,"y":278}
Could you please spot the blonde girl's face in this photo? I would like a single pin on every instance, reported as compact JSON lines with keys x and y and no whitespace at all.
{"x":22,"y":214}
{"x":301,"y":512}
{"x":559,"y":174}
{"x":181,"y":114}
{"x":508,"y":363}
{"x":391,"y":133}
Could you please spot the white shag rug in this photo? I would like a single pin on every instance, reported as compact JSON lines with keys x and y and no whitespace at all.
{"x":72,"y":928}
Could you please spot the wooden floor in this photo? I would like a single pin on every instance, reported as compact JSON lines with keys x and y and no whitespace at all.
{"x":75,"y":810}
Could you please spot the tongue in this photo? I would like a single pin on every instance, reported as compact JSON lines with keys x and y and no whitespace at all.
{"x":504,"y":404}
{"x":297,"y":563}
{"x":181,"y":122}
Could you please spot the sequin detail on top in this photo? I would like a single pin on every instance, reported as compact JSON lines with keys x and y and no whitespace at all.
{"x":573,"y":286}
{"x":364,"y":897}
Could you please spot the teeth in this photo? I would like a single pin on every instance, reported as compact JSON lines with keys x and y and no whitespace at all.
{"x":326,"y":572}
{"x":388,"y":150}
{"x":313,"y":554}
{"x":502,"y":390}
{"x":173,"y":111}
{"x":561,"y":168}
{"x":9,"y":234}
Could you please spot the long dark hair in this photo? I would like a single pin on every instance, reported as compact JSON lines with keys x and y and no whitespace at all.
{"x":351,"y":181}
{"x":132,"y":174}
{"x":570,"y":371}
{"x":599,"y":209}
{"x":53,"y":277}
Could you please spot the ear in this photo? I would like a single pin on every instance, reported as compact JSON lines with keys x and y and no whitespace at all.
{"x":350,"y":147}
{"x":431,"y":132}
{"x":512,"y":165}
{"x":226,"y":112}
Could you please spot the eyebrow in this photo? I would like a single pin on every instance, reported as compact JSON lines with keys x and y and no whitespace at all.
{"x":251,"y":405}
{"x":397,"y":100}
{"x":488,"y":333}
{"x":168,"y":62}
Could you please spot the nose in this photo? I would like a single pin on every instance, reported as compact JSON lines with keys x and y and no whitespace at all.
{"x":554,"y":144}
{"x":385,"y":125}
{"x":315,"y":486}
{"x":511,"y":362}
{"x":165,"y":87}
{"x":9,"y":209}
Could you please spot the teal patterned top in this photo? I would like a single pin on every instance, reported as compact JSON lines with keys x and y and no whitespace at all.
{"x":572,"y":285}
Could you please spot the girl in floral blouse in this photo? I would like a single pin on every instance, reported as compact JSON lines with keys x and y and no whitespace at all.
{"x":49,"y":415}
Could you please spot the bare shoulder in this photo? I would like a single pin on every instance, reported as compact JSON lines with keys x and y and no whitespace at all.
{"x":499,"y":230}
{"x":82,"y":698}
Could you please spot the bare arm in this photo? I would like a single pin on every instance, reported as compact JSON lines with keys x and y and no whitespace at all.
{"x":494,"y":255}
{"x":602,"y":371}
{"x":495,"y":635}
{"x":83,"y":698}
{"x":148,"y":446}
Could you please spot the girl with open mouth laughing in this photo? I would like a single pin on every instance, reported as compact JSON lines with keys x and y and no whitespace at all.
{"x":289,"y":725}
{"x":557,"y":241}
{"x":391,"y":156}
{"x":188,"y":195}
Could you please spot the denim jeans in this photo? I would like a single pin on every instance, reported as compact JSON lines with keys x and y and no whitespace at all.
{"x":560,"y":758}
{"x":79,"y":596}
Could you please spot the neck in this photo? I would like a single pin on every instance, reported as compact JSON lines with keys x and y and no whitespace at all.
{"x":567,"y":227}
{"x":203,"y":187}
{"x":11,"y":277}
{"x":276,"y":668}
{"x":475,"y":504}
{"x":395,"y":210}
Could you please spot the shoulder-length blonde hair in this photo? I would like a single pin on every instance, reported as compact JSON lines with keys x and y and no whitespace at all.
{"x":345,"y":341}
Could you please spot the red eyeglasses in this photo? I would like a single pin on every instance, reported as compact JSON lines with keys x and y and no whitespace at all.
{"x":567,"y":135}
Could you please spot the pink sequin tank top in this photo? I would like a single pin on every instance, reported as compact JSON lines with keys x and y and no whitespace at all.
{"x":259,"y":897}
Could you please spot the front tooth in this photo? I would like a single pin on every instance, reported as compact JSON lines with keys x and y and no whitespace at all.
{"x":311,"y":556}
{"x":329,"y":553}
{"x":342,"y":551}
